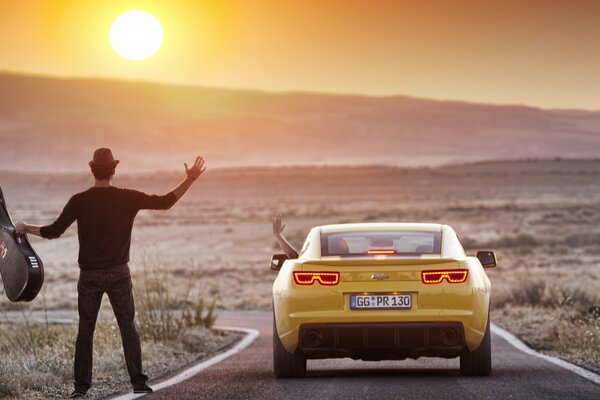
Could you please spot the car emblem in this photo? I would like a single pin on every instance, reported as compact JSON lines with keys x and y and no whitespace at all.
{"x":380,"y":276}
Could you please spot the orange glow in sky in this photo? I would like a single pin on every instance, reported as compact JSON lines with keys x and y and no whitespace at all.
{"x":533,"y":52}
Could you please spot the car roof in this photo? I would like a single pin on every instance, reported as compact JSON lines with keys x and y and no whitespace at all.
{"x":381,"y":226}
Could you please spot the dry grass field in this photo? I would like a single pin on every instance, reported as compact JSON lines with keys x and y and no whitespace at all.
{"x":541,"y":217}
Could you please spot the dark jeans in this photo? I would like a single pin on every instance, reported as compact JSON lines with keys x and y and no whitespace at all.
{"x":116,"y":282}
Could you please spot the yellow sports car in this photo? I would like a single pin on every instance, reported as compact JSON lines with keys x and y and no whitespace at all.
{"x":381,"y":291}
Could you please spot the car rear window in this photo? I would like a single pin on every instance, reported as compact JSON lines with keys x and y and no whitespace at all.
{"x":369,"y":244}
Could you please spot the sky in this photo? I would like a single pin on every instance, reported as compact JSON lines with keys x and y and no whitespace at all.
{"x":541,"y":53}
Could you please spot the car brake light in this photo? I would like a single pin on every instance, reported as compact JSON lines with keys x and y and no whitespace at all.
{"x":324,"y":278}
{"x":452,"y":276}
{"x":376,"y":252}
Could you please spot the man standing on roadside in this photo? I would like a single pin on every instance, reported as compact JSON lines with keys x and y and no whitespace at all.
{"x":105,"y":216}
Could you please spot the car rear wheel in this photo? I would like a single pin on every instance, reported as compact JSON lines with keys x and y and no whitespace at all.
{"x":478,"y":362}
{"x":285,"y":364}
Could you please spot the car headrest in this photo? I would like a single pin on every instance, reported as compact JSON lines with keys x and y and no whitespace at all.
{"x":338,"y":246}
{"x":424,"y":249}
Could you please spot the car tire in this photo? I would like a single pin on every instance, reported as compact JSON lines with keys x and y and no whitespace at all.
{"x":478,"y":362}
{"x":285,"y":364}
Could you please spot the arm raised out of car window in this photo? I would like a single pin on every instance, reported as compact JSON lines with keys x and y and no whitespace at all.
{"x":287,"y":248}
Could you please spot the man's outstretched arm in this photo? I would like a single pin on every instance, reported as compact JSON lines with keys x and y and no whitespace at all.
{"x":287,"y":248}
{"x":54,"y":230}
{"x":143,"y":201}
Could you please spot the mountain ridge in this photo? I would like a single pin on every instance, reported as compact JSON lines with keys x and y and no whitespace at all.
{"x":56,"y":123}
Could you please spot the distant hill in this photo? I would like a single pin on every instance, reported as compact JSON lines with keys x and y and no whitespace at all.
{"x":49,"y":123}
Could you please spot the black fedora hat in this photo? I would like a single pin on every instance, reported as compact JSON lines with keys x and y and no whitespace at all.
{"x":103,"y":158}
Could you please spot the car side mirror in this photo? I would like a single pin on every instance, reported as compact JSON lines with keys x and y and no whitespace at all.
{"x":277,"y":261}
{"x":487,"y":259}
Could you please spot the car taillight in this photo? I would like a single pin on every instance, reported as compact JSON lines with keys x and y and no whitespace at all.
{"x":324,"y":278}
{"x":452,"y":276}
{"x":375,"y":252}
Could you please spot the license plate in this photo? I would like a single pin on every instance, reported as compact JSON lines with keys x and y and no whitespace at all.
{"x":380,"y":301}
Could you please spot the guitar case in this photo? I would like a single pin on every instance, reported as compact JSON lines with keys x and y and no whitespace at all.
{"x":21,"y":268}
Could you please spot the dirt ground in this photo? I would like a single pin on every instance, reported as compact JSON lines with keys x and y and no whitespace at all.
{"x":541,"y":217}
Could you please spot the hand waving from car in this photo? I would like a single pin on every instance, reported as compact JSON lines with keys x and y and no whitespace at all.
{"x":283,"y":242}
{"x":277,"y":224}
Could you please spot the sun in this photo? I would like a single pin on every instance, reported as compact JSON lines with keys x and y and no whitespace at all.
{"x":136,"y":35}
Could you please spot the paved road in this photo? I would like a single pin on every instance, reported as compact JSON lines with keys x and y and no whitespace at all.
{"x":248,"y":375}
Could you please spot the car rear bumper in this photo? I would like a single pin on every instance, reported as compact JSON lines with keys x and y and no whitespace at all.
{"x":382,"y":341}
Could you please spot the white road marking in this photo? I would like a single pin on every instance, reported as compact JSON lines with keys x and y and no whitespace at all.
{"x":519,"y":345}
{"x":251,"y":335}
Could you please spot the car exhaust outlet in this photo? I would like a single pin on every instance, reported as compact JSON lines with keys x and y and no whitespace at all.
{"x":450,"y":336}
{"x":313,"y":338}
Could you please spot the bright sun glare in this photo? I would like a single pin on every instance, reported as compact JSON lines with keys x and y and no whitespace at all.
{"x":136,"y":35}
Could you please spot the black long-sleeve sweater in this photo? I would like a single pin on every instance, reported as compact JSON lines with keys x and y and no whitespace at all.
{"x":105,"y":218}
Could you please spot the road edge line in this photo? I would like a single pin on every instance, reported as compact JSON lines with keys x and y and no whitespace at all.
{"x":251,"y":335}
{"x":521,"y":346}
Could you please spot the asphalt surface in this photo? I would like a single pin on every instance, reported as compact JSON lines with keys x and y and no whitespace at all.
{"x":249,"y":375}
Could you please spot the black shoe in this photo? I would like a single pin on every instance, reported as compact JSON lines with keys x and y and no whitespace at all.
{"x":76,"y":394}
{"x":142,"y":389}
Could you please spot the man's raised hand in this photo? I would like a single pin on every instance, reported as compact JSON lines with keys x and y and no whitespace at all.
{"x":197,"y":169}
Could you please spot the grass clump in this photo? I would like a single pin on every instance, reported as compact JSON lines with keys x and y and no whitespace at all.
{"x":34,"y":356}
{"x":578,"y":337}
{"x":539,"y":293}
{"x":165,"y":315}
{"x":562,"y":320}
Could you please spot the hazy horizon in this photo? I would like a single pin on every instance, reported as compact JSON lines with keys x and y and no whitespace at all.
{"x":285,"y":92}
{"x":85,"y":170}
